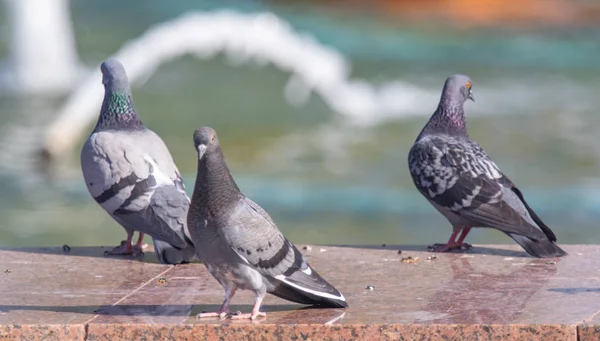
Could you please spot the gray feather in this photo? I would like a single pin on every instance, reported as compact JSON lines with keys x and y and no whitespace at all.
{"x":129,"y":171}
{"x":168,"y":254}
{"x":460,"y":180}
{"x":238,"y":241}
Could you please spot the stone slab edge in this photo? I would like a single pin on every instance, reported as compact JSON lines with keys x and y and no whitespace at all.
{"x":268,"y":332}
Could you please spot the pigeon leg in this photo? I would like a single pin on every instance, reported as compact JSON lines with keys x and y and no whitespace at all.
{"x":138,"y":248}
{"x":224,"y":310}
{"x":451,"y":244}
{"x":255,"y":311}
{"x":124,"y":249}
{"x":461,"y":239}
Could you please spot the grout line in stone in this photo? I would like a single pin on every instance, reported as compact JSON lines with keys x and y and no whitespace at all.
{"x":133,"y":292}
{"x":194,"y":277}
{"x":588,"y":319}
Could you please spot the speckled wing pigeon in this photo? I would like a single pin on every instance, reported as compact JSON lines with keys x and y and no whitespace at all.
{"x":129,"y":171}
{"x":465,"y":185}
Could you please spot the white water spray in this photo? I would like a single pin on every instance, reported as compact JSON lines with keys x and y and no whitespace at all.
{"x":259,"y":38}
{"x":43,"y":58}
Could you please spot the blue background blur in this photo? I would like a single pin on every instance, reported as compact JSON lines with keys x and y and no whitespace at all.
{"x":324,"y":176}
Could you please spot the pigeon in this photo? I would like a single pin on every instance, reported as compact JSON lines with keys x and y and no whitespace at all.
{"x":240,"y":244}
{"x":129,"y":171}
{"x":461,"y":181}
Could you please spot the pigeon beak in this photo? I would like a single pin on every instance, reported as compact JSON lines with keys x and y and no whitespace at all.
{"x":201,"y":151}
{"x":471,"y":95}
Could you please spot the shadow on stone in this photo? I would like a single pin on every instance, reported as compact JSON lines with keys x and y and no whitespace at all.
{"x":150,"y":257}
{"x":174,"y":313}
{"x":86,"y":251}
{"x":487,"y":295}
{"x":476,"y":250}
{"x":572,"y":291}
{"x":154,"y":310}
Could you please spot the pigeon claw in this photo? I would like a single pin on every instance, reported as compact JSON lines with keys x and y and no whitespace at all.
{"x":449,"y":247}
{"x":210,"y":315}
{"x":137,"y":252}
{"x":234,"y":316}
{"x":257,"y":315}
{"x":222,"y":314}
{"x":251,"y":316}
{"x":123,"y":249}
{"x":465,"y":246}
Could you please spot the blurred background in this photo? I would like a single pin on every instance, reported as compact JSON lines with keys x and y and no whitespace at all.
{"x":317,"y":104}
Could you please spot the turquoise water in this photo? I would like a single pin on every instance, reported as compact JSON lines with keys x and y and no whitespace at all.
{"x":323,"y":178}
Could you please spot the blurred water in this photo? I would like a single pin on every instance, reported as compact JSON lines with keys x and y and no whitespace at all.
{"x":323,"y":179}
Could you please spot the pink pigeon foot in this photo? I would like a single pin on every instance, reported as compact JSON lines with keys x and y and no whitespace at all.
{"x":251,"y":316}
{"x":219,"y":314}
{"x":224,"y":310}
{"x":124,"y":249}
{"x":256,"y":313}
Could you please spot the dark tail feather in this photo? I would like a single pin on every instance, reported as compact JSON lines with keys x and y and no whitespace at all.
{"x":538,"y":248}
{"x":169,"y":254}
{"x":547,"y":231}
{"x":290,"y":293}
{"x":307,"y":287}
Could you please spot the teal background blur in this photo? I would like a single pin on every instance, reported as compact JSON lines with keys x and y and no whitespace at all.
{"x":322,"y":176}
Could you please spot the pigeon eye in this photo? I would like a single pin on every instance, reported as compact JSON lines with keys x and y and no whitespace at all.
{"x":468,"y":85}
{"x":212,"y":140}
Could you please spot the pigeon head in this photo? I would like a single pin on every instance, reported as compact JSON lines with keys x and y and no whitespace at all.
{"x":118,"y":111}
{"x":205,"y":139}
{"x":113,"y":75}
{"x":215,"y":190}
{"x":449,"y":118}
{"x":458,"y":88}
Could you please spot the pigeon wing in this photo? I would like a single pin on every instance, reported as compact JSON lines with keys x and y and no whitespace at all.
{"x":463,"y":179}
{"x":252,"y":234}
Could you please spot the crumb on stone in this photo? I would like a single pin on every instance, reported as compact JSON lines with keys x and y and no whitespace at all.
{"x":410,"y":260}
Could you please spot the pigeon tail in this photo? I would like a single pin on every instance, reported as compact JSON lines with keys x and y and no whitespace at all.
{"x":547,"y":231}
{"x":308,"y":287}
{"x":169,"y":254}
{"x":543,"y":248}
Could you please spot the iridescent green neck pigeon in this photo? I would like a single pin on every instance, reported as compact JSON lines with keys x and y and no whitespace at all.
{"x":129,"y":171}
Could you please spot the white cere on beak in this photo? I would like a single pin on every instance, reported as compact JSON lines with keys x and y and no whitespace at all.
{"x":201,"y":150}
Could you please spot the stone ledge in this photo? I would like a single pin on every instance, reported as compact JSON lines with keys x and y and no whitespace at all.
{"x":385,"y":332}
{"x":265,"y":331}
{"x":494,"y":292}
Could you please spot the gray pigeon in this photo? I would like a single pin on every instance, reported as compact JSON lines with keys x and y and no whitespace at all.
{"x":239,"y":243}
{"x":465,"y":185}
{"x":129,"y":171}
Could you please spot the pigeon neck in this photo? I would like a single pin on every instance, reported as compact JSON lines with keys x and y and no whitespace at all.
{"x":449,"y":118}
{"x":215,"y":188}
{"x":118,"y":111}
